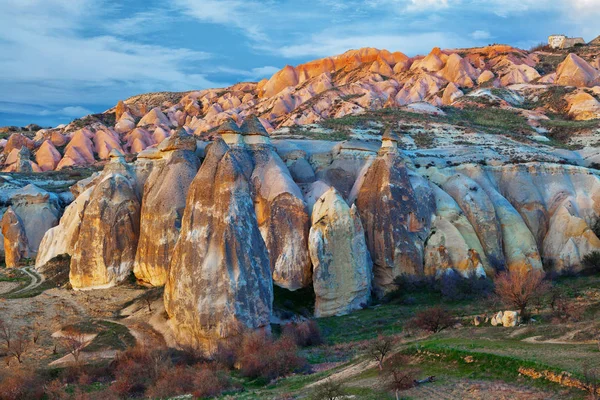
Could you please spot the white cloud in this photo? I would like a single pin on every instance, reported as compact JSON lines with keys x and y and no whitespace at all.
{"x":240,"y":14}
{"x":481,"y":35}
{"x":327,"y":45}
{"x":53,"y":61}
{"x":70,"y":111}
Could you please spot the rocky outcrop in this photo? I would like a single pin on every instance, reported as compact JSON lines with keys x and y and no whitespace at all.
{"x":396,"y":223}
{"x":38,"y":211}
{"x":575,"y":71}
{"x":61,"y":239}
{"x":16,"y":246}
{"x":342,"y":266}
{"x":453,"y":243}
{"x":47,"y":157}
{"x":106,"y":245}
{"x":219,"y":277}
{"x":163,"y":205}
{"x":282,"y":217}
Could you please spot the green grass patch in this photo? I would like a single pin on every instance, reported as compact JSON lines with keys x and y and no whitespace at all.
{"x":110,"y":335}
{"x":444,"y":360}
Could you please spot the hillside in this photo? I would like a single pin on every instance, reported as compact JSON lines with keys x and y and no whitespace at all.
{"x":267,"y":240}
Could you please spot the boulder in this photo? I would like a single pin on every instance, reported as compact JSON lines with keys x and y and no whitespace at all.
{"x":342,"y":266}
{"x":219,"y":278}
{"x":105,"y":250}
{"x":163,"y":206}
{"x":510,"y":319}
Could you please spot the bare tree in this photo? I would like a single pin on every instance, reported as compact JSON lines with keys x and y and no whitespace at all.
{"x":518,"y":288}
{"x":398,"y":375}
{"x":36,"y":331}
{"x":6,"y":334}
{"x":379,"y":349}
{"x":18,"y":346}
{"x":73,"y":342}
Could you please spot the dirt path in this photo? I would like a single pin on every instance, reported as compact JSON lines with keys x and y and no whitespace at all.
{"x":36,"y":280}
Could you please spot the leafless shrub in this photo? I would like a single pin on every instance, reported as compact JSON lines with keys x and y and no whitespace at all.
{"x":518,"y":287}
{"x":305,"y":334}
{"x":399,"y":375}
{"x":433,"y":319}
{"x":380,"y":348}
{"x":18,"y":346}
{"x":73,"y":342}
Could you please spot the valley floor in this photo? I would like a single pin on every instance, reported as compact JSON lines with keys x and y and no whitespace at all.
{"x":539,"y":360}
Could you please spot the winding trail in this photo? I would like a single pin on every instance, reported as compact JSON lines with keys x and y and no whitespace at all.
{"x":36,"y":280}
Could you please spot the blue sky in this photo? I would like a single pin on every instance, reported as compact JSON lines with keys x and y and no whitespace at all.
{"x":62,"y":59}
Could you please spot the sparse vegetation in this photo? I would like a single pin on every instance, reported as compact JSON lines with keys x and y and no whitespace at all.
{"x":380,"y":348}
{"x":518,"y":287}
{"x":434,"y":319}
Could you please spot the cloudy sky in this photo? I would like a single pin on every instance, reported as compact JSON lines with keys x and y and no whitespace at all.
{"x":62,"y":59}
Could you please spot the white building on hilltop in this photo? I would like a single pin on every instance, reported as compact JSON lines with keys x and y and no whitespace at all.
{"x":563,"y":42}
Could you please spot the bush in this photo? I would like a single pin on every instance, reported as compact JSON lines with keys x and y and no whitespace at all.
{"x":261,"y":357}
{"x":200,"y":381}
{"x":304,"y":334}
{"x":18,"y":384}
{"x":519,"y":287}
{"x":135,"y":369}
{"x":455,"y":287}
{"x":591,"y":263}
{"x":451,"y":286}
{"x":433,"y":319}
{"x":330,"y":390}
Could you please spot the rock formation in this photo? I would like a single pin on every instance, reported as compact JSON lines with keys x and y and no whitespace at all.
{"x":575,"y":71}
{"x":16,"y":246}
{"x":38,"y":211}
{"x":61,"y":239}
{"x":219,"y":275}
{"x":395,"y":223}
{"x":281,"y":212}
{"x":342,"y":266}
{"x":106,"y":245}
{"x":163,"y":204}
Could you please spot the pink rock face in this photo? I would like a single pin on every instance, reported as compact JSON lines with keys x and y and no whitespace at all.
{"x":382,"y":68}
{"x":519,"y":74}
{"x":47,"y":157}
{"x":105,"y":141}
{"x":459,"y":71}
{"x":154,"y":117}
{"x":58,"y":139}
{"x":485,"y":76}
{"x":17,"y":141}
{"x":137,"y":140}
{"x":79,"y":151}
{"x":575,"y":71}
{"x":451,"y":93}
{"x":431,"y":63}
{"x":282,"y":79}
{"x":160,"y":134}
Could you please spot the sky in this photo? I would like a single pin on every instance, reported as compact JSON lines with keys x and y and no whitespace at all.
{"x":63,"y":59}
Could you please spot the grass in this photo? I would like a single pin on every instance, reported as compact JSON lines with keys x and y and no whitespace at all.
{"x":110,"y":335}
